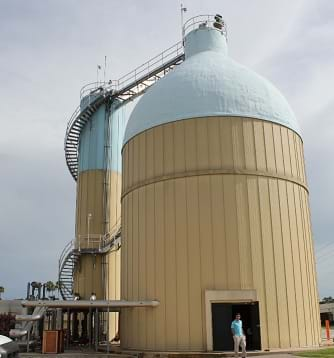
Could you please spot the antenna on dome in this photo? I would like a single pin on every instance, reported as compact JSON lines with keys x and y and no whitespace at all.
{"x":183,"y":10}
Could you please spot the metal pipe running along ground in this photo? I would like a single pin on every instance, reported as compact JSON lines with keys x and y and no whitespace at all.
{"x":117,"y":304}
{"x":27,"y":317}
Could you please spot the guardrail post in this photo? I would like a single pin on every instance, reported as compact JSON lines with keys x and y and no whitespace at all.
{"x":28,"y":340}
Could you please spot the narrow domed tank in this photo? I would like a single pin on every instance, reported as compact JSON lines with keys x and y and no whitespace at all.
{"x":98,"y":206}
{"x":215,"y":213}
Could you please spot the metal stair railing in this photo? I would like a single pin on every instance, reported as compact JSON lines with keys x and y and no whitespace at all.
{"x":112,"y":241}
{"x":91,"y":243}
{"x":75,"y":125}
{"x":139,"y":79}
{"x":96,"y":244}
{"x":125,"y":88}
{"x":68,"y":248}
{"x":134,"y":77}
{"x":66,"y":266}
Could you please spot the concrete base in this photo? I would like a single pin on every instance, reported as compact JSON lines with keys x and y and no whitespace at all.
{"x":137,"y":354}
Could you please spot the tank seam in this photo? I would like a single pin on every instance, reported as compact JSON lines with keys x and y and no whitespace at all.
{"x":213,"y":172}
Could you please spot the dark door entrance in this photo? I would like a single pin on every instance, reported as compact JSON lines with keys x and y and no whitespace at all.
{"x":222,"y":316}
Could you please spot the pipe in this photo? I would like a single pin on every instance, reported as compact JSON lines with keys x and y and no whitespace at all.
{"x":28,"y":317}
{"x":15,"y":333}
{"x":93,"y":304}
{"x":28,"y":341}
{"x":28,"y":290}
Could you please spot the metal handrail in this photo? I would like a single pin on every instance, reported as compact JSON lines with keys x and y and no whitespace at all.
{"x":149,"y":65}
{"x":116,"y":227}
{"x":90,"y":88}
{"x":67,"y":249}
{"x":62,"y":262}
{"x":72,"y":120}
{"x":93,"y":242}
{"x":111,"y":237}
{"x":132,"y":76}
{"x":207,"y":20}
{"x":97,"y":241}
{"x":128,"y":86}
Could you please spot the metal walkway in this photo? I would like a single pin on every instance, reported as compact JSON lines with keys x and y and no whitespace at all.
{"x":71,"y":255}
{"x":124,"y":89}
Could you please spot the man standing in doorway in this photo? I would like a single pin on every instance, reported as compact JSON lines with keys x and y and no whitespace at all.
{"x":238,"y":336}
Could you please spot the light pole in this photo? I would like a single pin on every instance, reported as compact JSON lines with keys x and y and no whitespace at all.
{"x":89,"y":217}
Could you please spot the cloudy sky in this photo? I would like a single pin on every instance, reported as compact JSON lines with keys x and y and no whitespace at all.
{"x":50,"y":48}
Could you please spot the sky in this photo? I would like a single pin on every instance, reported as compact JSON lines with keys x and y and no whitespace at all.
{"x":49,"y":49}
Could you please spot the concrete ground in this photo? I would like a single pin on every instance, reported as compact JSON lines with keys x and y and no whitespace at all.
{"x":102,"y":355}
{"x":93,"y":354}
{"x":75,"y":354}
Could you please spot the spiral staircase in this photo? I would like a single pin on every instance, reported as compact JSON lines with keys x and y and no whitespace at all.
{"x":125,"y":89}
{"x":92,"y":96}
{"x":67,"y":263}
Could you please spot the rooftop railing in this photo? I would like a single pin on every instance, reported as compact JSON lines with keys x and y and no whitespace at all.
{"x":129,"y":86}
{"x":97,"y":88}
{"x":214,"y":21}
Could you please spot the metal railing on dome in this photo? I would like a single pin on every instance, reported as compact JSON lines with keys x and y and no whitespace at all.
{"x":134,"y":77}
{"x":214,"y":21}
{"x":125,"y":88}
{"x":97,"y":88}
{"x":128,"y":86}
{"x":146,"y":68}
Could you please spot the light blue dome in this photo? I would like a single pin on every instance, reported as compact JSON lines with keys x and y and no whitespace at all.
{"x":209,"y":83}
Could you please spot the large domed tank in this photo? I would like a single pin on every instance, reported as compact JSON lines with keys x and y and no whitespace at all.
{"x":215,"y":213}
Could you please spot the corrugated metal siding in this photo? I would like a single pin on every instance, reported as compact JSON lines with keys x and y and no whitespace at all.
{"x":92,"y":142}
{"x":223,"y":205}
{"x":88,"y":277}
{"x":93,"y":188}
{"x":90,"y":190}
{"x":214,"y":144}
{"x":95,"y":137}
{"x":98,"y":193}
{"x":113,"y":287}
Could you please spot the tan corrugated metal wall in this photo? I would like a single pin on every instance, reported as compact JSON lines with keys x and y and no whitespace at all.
{"x":98,"y":193}
{"x":113,"y":287}
{"x":90,"y":190}
{"x":89,"y":271}
{"x":87,"y":276}
{"x":96,"y":197}
{"x":220,"y":204}
{"x":113,"y":258}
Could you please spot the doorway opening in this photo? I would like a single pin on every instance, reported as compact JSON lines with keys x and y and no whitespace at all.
{"x":222,"y":316}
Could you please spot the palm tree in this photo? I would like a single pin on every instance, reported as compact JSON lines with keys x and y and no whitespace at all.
{"x":2,"y":290}
{"x":58,"y":287}
{"x":50,"y":287}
